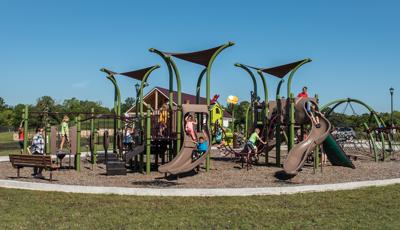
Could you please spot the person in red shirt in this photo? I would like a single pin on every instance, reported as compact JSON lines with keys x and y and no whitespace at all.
{"x":21,"y":139}
{"x":303,"y":92}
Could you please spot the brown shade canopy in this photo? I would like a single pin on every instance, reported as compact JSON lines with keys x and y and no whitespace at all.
{"x":279,"y":71}
{"x":137,"y":74}
{"x":199,"y":57}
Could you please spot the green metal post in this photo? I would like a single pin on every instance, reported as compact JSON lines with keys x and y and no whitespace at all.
{"x":78,"y":144}
{"x":94,"y":154}
{"x":246,"y":132}
{"x":317,"y":149}
{"x":148,"y":141}
{"x":171,"y":70}
{"x":92,"y":134}
{"x":278,"y":125}
{"x":117,"y":110}
{"x":198,"y":85}
{"x":253,"y":78}
{"x":179,"y":102}
{"x":47,"y":138}
{"x":373,"y":143}
{"x":291,"y":108}
{"x":208,"y":83}
{"x":144,"y":80}
{"x":291,"y":122}
{"x":26,"y":131}
{"x":378,"y":121}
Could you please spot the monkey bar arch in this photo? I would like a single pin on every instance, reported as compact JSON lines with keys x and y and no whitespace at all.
{"x":331,"y":106}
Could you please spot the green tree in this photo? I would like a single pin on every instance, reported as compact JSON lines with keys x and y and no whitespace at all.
{"x":129,"y":102}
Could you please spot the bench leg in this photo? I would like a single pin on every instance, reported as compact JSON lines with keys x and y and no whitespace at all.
{"x":17,"y":172}
{"x":51,"y":176}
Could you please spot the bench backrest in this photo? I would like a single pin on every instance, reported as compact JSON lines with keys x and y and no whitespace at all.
{"x":30,"y":160}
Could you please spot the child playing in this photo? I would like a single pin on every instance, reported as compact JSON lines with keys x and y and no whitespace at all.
{"x":128,"y":139}
{"x":21,"y":138}
{"x":190,"y":122}
{"x":162,"y":119}
{"x":64,"y":131}
{"x":202,"y":147}
{"x":314,"y":115}
{"x":251,"y":143}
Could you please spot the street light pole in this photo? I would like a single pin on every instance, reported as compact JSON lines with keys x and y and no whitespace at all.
{"x":391,"y":90}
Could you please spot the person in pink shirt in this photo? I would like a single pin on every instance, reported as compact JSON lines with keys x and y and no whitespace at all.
{"x":190,"y":122}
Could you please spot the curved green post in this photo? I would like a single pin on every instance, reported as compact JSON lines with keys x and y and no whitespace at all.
{"x":378,"y":121}
{"x":179,"y":102}
{"x":266,"y":114}
{"x":251,"y":75}
{"x":198,"y":86}
{"x":117,"y":109}
{"x":290,"y":97}
{"x":208,"y":83}
{"x":264,"y":83}
{"x":142,"y":83}
{"x":278,"y":125}
{"x":170,"y":75}
{"x":171,"y":70}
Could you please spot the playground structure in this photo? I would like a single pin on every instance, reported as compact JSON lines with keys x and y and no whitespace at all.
{"x":278,"y":121}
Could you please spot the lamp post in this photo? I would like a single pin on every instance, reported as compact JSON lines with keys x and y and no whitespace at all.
{"x":391,"y":90}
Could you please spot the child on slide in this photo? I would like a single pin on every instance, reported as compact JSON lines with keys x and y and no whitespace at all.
{"x":201,"y":147}
{"x":314,"y":115}
{"x":190,"y":122}
{"x":251,"y":143}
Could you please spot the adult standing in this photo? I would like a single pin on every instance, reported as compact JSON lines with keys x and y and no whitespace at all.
{"x":37,"y":148}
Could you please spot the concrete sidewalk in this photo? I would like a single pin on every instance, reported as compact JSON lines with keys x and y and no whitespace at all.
{"x":195,"y":192}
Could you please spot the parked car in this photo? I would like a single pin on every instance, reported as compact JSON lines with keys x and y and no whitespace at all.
{"x":347,"y":133}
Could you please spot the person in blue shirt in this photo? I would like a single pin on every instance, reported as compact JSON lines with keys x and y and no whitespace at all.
{"x":201,"y":147}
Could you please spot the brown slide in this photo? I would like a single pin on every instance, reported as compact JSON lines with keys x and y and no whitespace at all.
{"x":183,"y":161}
{"x":298,"y":154}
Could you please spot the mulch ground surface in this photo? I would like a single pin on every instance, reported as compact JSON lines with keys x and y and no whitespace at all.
{"x":225,"y":173}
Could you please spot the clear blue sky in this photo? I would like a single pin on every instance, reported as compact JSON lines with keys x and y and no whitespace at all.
{"x":56,"y":48}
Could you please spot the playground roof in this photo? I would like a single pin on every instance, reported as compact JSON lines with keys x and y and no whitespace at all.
{"x":279,"y":71}
{"x":201,"y":57}
{"x":185,"y":98}
{"x":137,"y":74}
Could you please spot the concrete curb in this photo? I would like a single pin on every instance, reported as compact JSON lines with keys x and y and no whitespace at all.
{"x":195,"y":192}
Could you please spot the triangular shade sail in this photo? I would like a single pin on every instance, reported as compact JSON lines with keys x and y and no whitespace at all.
{"x":199,"y":57}
{"x":279,"y":71}
{"x":137,"y":74}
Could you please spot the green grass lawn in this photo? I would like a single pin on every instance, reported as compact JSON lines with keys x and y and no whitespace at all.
{"x":7,"y":145}
{"x":371,"y":208}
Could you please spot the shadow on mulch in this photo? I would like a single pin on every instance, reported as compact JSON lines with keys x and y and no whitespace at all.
{"x":282,"y":176}
{"x":156,"y":183}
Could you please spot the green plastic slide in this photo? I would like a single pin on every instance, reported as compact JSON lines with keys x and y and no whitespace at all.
{"x":335,"y":153}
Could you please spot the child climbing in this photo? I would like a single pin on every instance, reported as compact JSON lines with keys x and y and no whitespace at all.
{"x":314,"y":115}
{"x":218,"y":135}
{"x":251,"y":143}
{"x":189,"y":126}
{"x":64,"y":131}
{"x":201,"y":147}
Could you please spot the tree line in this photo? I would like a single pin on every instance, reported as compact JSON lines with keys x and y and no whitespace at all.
{"x":11,"y":116}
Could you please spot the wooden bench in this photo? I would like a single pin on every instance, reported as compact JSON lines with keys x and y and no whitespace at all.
{"x":19,"y":161}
